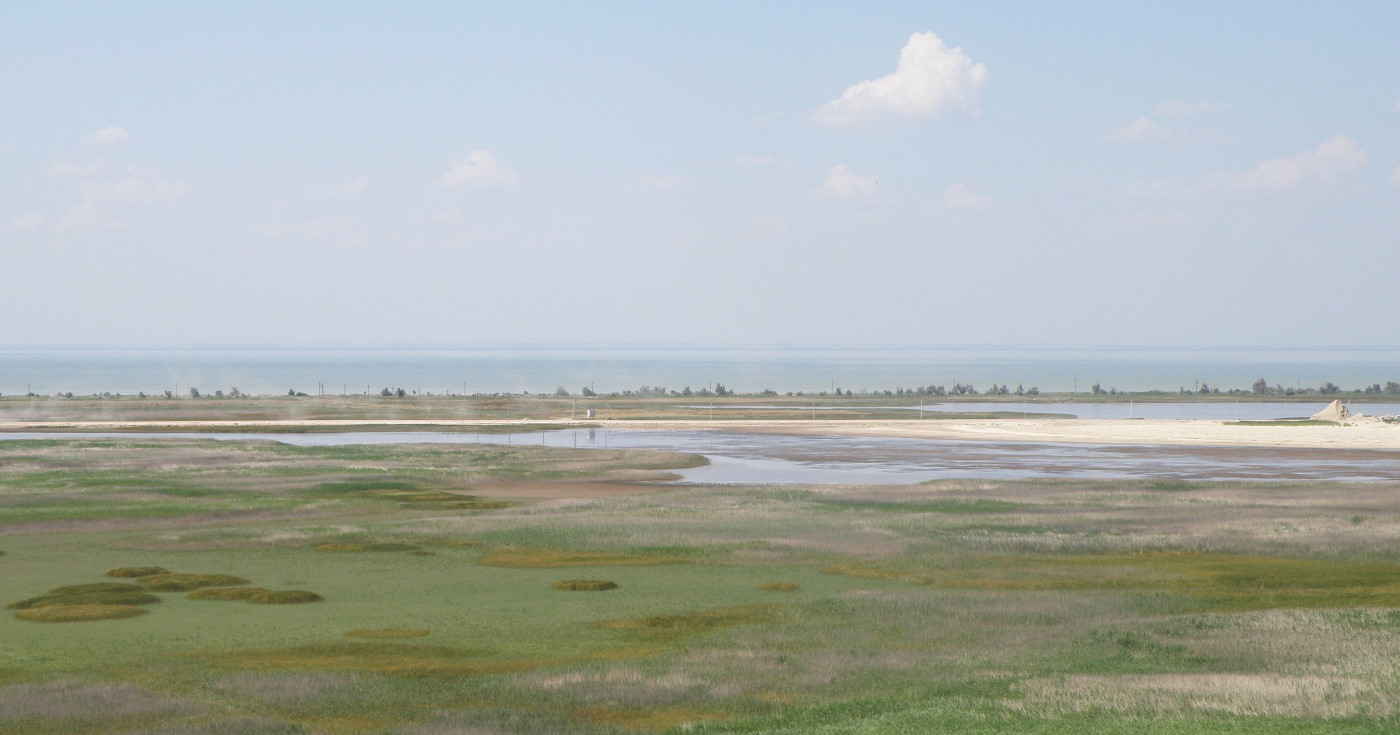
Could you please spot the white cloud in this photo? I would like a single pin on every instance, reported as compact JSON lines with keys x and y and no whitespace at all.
{"x":748,"y":161}
{"x":145,"y":187}
{"x":663,"y":183}
{"x":354,"y":188}
{"x":843,"y":183}
{"x":961,"y":197}
{"x":1321,"y":167}
{"x":28,"y":222}
{"x":1154,"y":219}
{"x":766,"y":228}
{"x":480,"y":169}
{"x":1140,"y":129}
{"x":108,"y":136}
{"x":929,"y":79}
{"x":66,"y":170}
{"x":1182,"y":108}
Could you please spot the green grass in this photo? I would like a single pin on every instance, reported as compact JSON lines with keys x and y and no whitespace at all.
{"x":956,"y":606}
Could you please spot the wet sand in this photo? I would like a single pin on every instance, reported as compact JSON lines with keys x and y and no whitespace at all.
{"x":1181,"y":432}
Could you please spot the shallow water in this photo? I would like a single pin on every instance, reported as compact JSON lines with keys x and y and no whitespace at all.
{"x":1214,"y":411}
{"x":757,"y":459}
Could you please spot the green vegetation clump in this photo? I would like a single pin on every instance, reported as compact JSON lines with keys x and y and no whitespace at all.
{"x":353,"y":548}
{"x":667,"y":626}
{"x":226,"y":594}
{"x":79,"y":613}
{"x":585,"y":585}
{"x":779,"y":587}
{"x":420,"y":552}
{"x":137,"y":571}
{"x":187,"y":582}
{"x":387,"y":633}
{"x":549,"y":559}
{"x":88,"y":594}
{"x":284,"y":597}
{"x":409,"y":495}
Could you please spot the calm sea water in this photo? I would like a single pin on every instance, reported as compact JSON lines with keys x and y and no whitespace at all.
{"x":435,"y":370}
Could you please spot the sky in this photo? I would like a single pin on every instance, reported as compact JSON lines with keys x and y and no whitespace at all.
{"x":1186,"y":174}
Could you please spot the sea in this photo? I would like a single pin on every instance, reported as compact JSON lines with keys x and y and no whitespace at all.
{"x":486,"y":370}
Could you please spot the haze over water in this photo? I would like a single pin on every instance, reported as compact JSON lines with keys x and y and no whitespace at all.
{"x":439,"y":370}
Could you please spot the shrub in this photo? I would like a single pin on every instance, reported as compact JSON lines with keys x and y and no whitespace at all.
{"x":79,"y":613}
{"x":72,"y":589}
{"x":585,"y":585}
{"x":284,"y":597}
{"x":227,"y":594}
{"x":779,"y":587}
{"x":350,"y":548}
{"x":96,"y":597}
{"x":387,"y":633}
{"x":187,"y":582}
{"x":137,"y":571}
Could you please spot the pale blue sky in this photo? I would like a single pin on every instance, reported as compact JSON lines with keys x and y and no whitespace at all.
{"x":1189,"y":174}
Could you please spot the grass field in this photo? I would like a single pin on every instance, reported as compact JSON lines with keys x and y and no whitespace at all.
{"x":413,"y":594}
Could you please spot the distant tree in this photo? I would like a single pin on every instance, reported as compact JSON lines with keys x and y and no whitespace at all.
{"x":1392,"y":387}
{"x":1329,"y":389}
{"x":561,"y":392}
{"x":1096,"y":388}
{"x":234,"y":392}
{"x":291,"y":391}
{"x":169,"y":394}
{"x":218,"y":394}
{"x":386,"y":393}
{"x":400,"y":393}
{"x":1261,"y":387}
{"x":1033,"y":391}
{"x":194,"y":392}
{"x":587,"y":392}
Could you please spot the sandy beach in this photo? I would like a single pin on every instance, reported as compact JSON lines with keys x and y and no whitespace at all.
{"x":1368,"y":435}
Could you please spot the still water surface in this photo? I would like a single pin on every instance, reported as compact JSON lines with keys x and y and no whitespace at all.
{"x":740,"y":458}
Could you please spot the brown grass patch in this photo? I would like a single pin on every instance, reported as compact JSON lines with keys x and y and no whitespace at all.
{"x":668,"y":626}
{"x":284,"y":597}
{"x":548,"y":559}
{"x":88,"y":594}
{"x":136,"y":571}
{"x":366,"y":547}
{"x":387,"y":633}
{"x":585,"y":585}
{"x":226,"y":594}
{"x":648,"y":720}
{"x":79,"y":613}
{"x":779,"y":587}
{"x":187,"y":582}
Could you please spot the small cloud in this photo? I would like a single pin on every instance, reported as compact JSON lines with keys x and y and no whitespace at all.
{"x":1154,"y":219}
{"x":1321,"y":167}
{"x":67,"y":170}
{"x":663,"y":183}
{"x":929,"y":79}
{"x":146,"y":187}
{"x":1140,"y":129}
{"x":1081,"y":183}
{"x":28,"y":222}
{"x":766,"y":228}
{"x":843,"y":183}
{"x":960,"y":197}
{"x":747,"y":161}
{"x":1182,"y":108}
{"x":354,"y":188}
{"x":452,"y":216}
{"x":108,"y":136}
{"x":481,"y":170}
